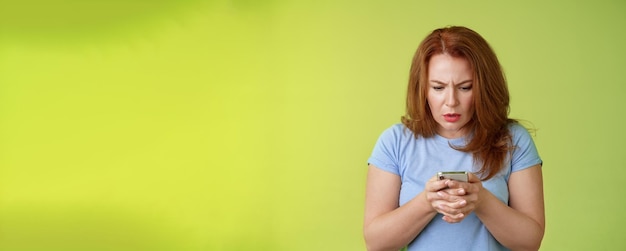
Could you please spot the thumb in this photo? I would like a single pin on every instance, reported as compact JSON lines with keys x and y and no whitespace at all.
{"x":472,"y":178}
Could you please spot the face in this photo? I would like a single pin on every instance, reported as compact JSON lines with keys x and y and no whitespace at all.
{"x":450,"y":95}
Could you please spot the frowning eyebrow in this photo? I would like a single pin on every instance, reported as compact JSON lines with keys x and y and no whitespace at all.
{"x":459,"y":83}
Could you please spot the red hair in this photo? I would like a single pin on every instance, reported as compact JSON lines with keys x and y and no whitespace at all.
{"x":490,"y":141}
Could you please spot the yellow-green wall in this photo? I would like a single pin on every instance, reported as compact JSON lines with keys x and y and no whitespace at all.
{"x":246,"y":125}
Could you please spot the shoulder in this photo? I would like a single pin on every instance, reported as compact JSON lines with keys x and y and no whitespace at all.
{"x":517,"y":127}
{"x":395,"y":138}
{"x":387,"y":153}
{"x":519,"y":132}
{"x":525,"y":152}
{"x":397,"y":132}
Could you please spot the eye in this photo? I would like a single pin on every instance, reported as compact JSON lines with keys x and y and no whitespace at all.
{"x":437,"y":88}
{"x":465,"y":88}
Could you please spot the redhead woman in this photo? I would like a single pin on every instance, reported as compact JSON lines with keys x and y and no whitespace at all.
{"x":456,"y":119}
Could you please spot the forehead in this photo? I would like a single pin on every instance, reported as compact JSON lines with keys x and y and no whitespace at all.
{"x":449,"y":68}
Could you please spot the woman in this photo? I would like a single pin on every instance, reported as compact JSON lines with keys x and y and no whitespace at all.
{"x":456,"y":120}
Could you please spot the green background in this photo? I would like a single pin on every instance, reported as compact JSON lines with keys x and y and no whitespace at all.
{"x":246,"y":125}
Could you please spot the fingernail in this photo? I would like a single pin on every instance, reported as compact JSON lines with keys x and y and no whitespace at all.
{"x":462,"y":203}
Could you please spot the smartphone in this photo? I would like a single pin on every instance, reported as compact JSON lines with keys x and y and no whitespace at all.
{"x":460,"y":176}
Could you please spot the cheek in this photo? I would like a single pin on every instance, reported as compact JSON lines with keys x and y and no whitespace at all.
{"x":469,"y":103}
{"x":432,"y":100}
{"x":432,"y":105}
{"x":468,"y":98}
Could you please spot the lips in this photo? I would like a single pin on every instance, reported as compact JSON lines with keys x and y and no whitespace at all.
{"x":452,"y":117}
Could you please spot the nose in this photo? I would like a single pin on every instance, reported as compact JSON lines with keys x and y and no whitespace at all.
{"x":452,"y":98}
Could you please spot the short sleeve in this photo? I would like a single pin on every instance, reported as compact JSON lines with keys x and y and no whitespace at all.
{"x":385,"y":153}
{"x":525,"y":153}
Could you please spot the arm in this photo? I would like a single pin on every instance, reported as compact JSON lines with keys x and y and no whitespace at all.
{"x":386,"y":225}
{"x":519,"y":226}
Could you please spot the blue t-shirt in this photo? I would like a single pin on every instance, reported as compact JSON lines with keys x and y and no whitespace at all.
{"x":417,"y":160}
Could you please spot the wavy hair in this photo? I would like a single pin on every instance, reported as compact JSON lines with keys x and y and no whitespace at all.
{"x":490,"y":141}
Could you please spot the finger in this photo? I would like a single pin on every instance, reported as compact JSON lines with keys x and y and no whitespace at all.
{"x":442,"y":208}
{"x":453,"y":208}
{"x":435,"y":185}
{"x":453,"y":218}
{"x":451,"y":195}
{"x":444,"y":195}
{"x":453,"y":183}
{"x":472,"y":178}
{"x":454,"y":212}
{"x":457,"y":207}
{"x":470,"y":187}
{"x":456,"y":183}
{"x":454,"y":191}
{"x":463,"y":188}
{"x":458,"y":191}
{"x":437,"y":197}
{"x":461,"y":203}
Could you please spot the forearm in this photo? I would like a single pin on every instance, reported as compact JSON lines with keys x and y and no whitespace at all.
{"x":395,"y":229}
{"x":512,"y":228}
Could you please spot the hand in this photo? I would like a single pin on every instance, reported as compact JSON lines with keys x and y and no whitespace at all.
{"x":454,"y":199}
{"x":444,"y":199}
